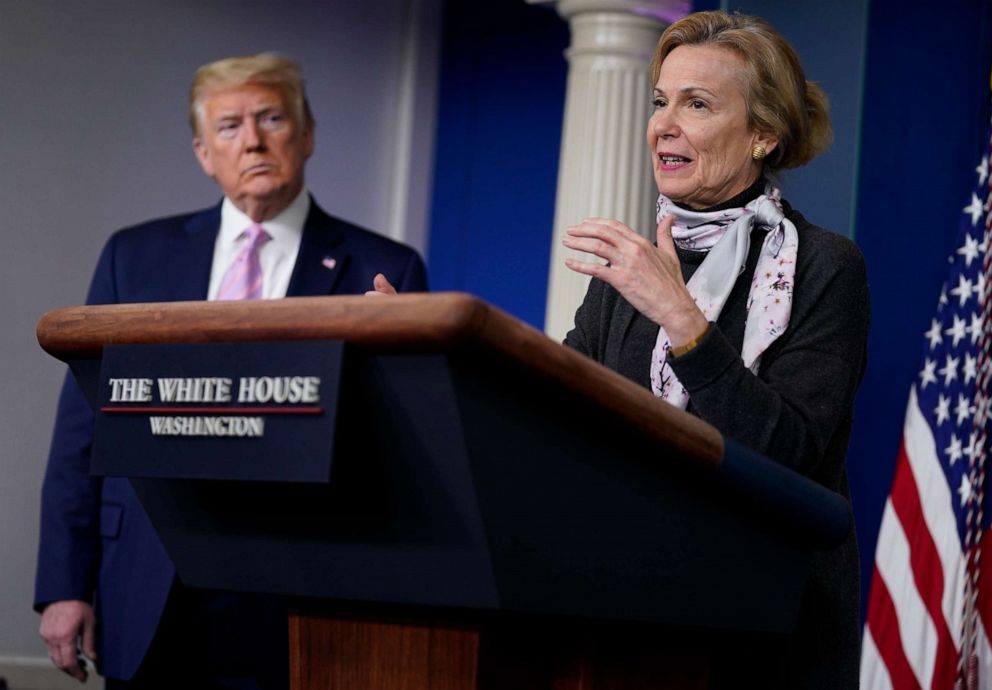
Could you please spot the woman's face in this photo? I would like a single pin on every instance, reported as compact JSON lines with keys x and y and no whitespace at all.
{"x":698,"y":133}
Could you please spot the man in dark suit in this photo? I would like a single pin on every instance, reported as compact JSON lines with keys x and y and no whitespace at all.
{"x":105,"y":583}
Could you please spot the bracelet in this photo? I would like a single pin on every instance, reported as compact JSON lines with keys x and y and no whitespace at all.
{"x":689,"y":346}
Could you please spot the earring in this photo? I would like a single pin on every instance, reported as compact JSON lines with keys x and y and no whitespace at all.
{"x":758,"y":152}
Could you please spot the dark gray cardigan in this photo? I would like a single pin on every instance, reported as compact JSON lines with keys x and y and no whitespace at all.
{"x":797,"y":411}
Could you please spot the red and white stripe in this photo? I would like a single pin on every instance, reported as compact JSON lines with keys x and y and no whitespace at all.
{"x":912,"y":638}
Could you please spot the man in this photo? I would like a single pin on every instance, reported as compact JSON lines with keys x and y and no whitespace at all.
{"x":105,"y":583}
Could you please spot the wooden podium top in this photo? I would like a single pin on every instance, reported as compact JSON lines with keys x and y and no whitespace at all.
{"x":428,"y":323}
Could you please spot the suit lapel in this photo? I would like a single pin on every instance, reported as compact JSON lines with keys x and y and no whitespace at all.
{"x":322,"y":258}
{"x":192,"y":255}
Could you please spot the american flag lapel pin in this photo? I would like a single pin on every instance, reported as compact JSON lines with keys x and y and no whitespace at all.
{"x":329,"y":262}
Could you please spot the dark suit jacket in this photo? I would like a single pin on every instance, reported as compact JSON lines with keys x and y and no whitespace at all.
{"x":97,"y":543}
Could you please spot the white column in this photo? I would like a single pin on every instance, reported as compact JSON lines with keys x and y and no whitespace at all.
{"x":604,"y":168}
{"x":415,"y":119}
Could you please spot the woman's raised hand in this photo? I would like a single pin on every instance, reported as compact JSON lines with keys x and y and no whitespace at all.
{"x":648,"y":276}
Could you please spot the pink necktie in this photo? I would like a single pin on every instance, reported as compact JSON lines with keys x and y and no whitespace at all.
{"x":243,"y":279}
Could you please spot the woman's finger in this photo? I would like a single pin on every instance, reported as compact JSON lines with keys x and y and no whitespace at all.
{"x":663,"y":237}
{"x":590,"y":269}
{"x":592,"y":245}
{"x":597,"y":230}
{"x":625,"y":231}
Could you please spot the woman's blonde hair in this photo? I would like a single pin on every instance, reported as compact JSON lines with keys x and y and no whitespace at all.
{"x":270,"y":69}
{"x":778,"y":97}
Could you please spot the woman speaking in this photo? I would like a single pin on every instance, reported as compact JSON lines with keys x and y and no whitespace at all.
{"x":744,"y":313}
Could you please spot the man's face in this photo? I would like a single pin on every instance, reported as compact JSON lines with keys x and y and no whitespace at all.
{"x":251,"y":143}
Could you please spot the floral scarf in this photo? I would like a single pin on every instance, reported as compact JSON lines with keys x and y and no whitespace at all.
{"x":726,"y":237}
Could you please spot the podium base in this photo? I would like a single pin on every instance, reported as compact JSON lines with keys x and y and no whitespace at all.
{"x":338,"y":653}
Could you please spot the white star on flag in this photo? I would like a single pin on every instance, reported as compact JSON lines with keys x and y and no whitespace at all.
{"x":957,"y":331}
{"x":969,"y":250}
{"x":943,"y":409}
{"x":927,"y":375}
{"x":983,"y":170}
{"x":970,"y":367}
{"x":962,"y":291}
{"x":950,"y":370}
{"x":964,"y":491}
{"x":933,"y":335}
{"x":954,"y":450}
{"x":974,"y":208}
{"x":963,"y":409}
{"x":972,"y":442}
{"x":975,"y":328}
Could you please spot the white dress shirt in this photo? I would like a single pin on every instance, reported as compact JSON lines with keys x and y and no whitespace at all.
{"x":277,"y":256}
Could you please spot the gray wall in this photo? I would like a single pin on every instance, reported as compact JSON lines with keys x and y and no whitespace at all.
{"x":93,"y":137}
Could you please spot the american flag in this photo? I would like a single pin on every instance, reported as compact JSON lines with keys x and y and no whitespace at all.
{"x":930,"y":602}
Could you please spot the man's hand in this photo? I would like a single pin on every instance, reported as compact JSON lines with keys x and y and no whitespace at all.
{"x":381,"y":286}
{"x":67,"y":627}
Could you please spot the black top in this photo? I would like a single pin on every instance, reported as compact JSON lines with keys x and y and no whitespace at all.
{"x":797,"y":410}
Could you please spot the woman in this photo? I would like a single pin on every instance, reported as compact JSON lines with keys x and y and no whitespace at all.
{"x":744,"y":313}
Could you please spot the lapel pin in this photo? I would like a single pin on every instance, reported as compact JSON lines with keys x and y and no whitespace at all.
{"x":329,"y":262}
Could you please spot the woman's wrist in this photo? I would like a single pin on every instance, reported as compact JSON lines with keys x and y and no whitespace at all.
{"x":685,"y":348}
{"x":685,"y":326}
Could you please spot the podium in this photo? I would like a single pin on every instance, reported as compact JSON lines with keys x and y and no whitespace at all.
{"x":488,"y":509}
